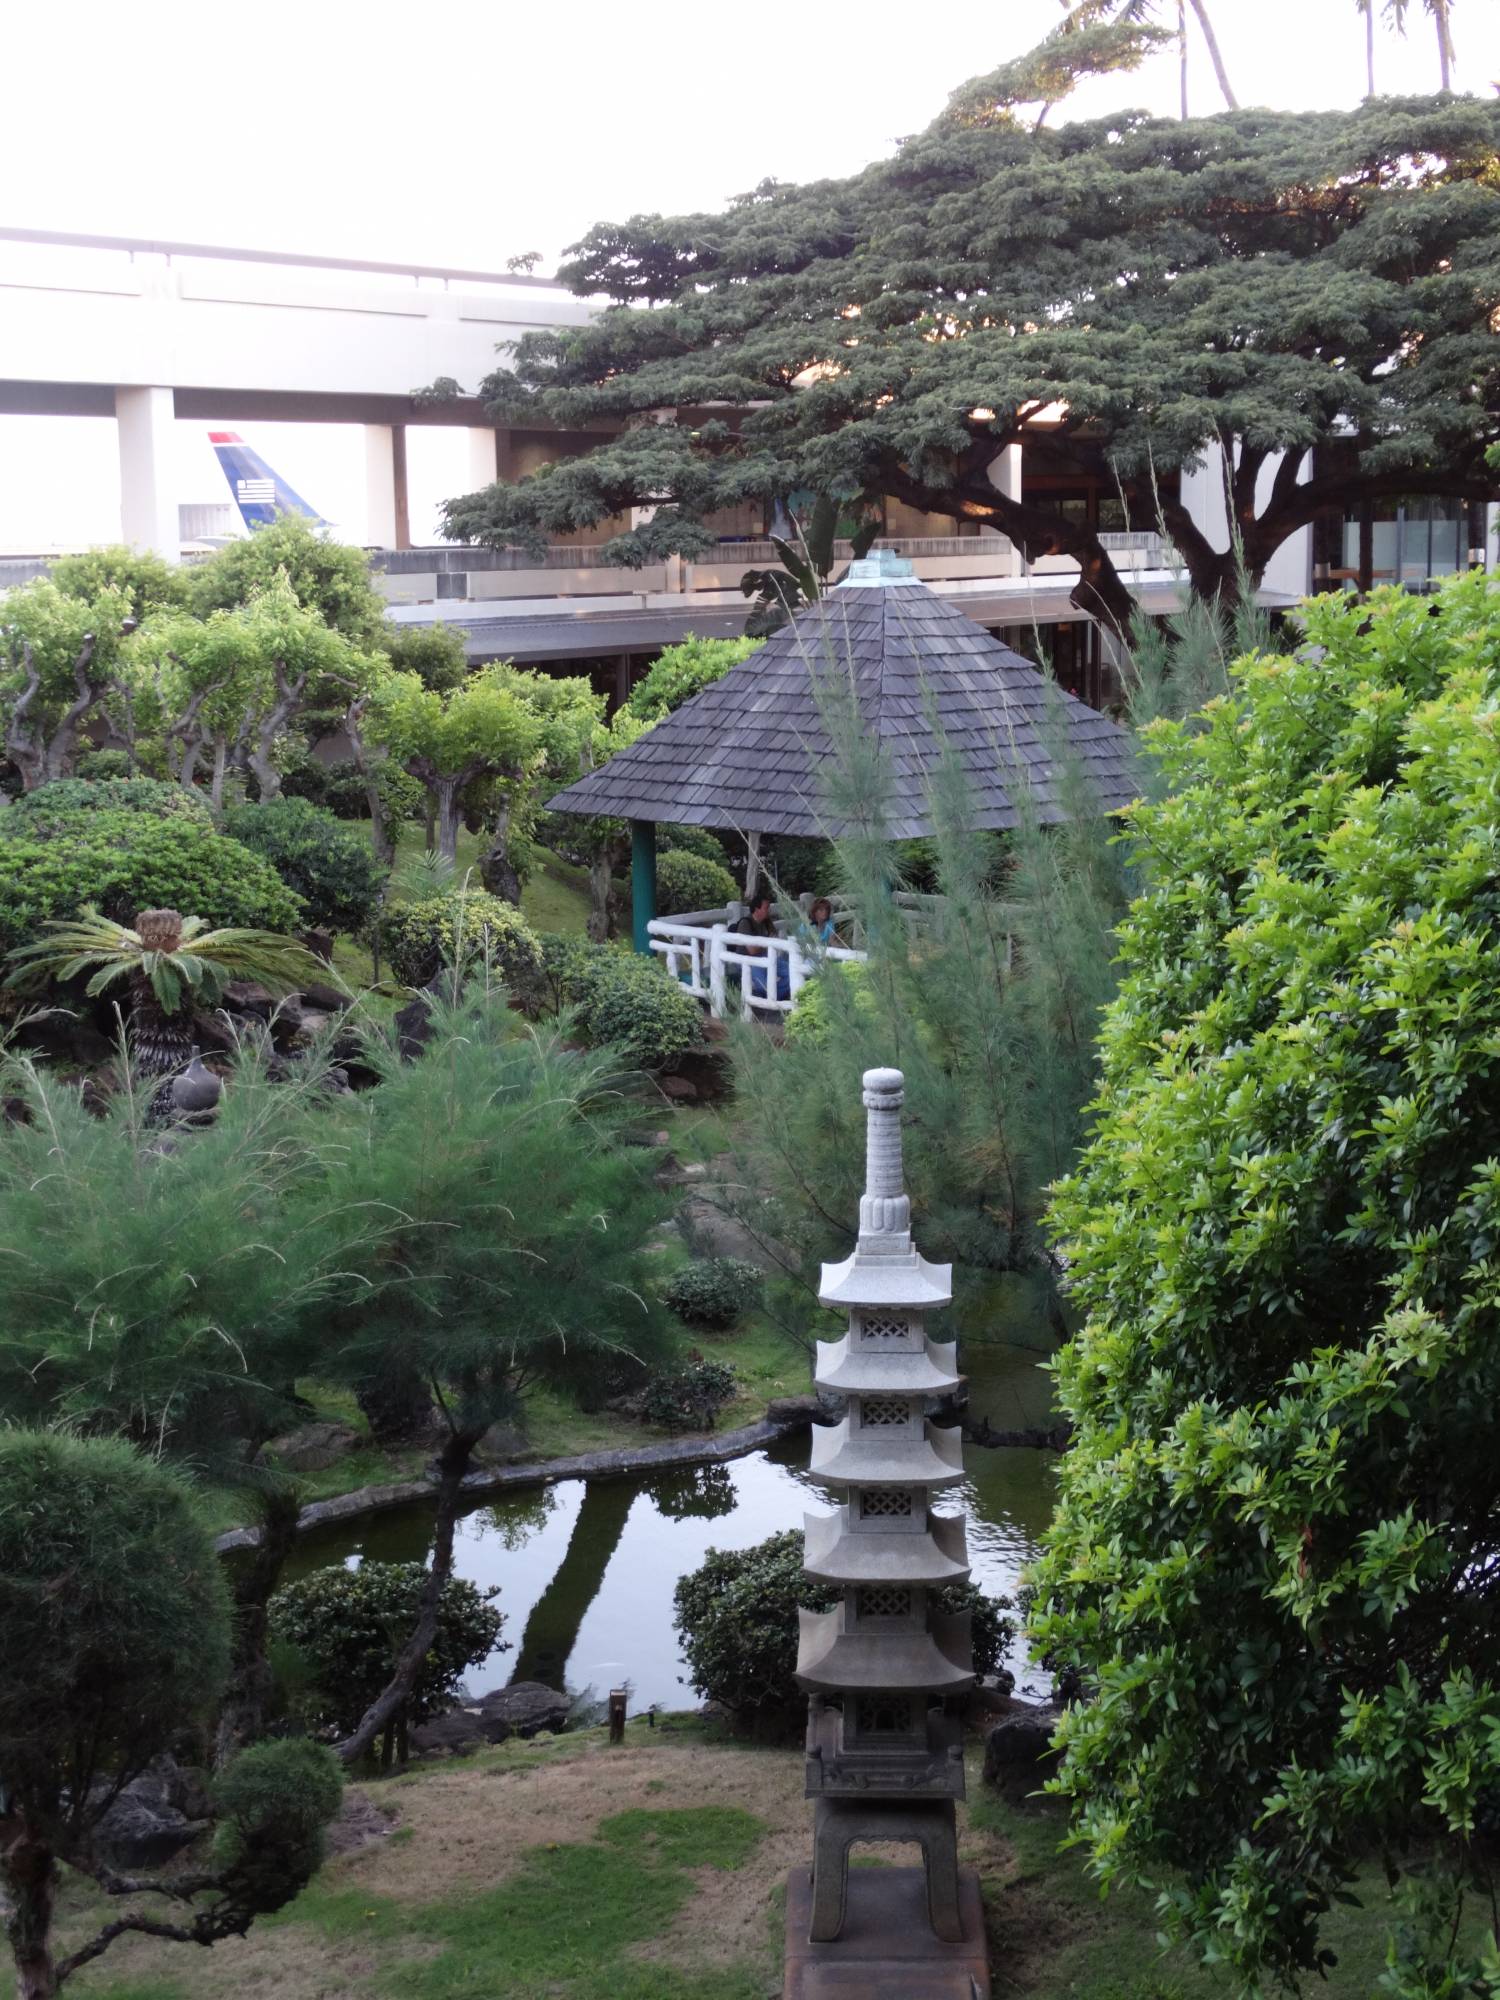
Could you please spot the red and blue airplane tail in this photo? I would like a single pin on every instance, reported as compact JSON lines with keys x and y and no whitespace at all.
{"x":259,"y":493}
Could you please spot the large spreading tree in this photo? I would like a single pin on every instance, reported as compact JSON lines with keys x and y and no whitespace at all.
{"x":1120,"y":296}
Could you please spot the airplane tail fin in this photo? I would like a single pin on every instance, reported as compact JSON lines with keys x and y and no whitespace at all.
{"x":259,"y":492}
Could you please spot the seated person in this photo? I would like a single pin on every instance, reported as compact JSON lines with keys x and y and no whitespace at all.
{"x":820,"y":922}
{"x":756,"y":923}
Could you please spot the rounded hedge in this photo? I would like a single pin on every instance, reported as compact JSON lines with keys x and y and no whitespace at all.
{"x":714,"y":1292}
{"x":691,"y":840}
{"x":326,"y":863}
{"x":123,"y":862}
{"x":737,"y":1618}
{"x":630,"y":1003}
{"x":688,"y":882}
{"x":69,"y":803}
{"x":114,"y":1609}
{"x":420,"y":938}
{"x":349,"y":1625}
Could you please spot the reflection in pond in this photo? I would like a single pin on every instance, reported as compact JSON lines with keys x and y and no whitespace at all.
{"x":587,"y":1570}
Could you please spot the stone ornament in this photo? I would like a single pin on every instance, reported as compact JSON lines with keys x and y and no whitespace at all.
{"x":884,"y":1761}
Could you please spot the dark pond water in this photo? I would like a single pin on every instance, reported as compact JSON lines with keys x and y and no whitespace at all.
{"x":586,"y":1569}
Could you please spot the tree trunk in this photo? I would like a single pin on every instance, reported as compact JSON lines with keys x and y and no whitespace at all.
{"x":449,"y":817}
{"x":221,"y":758}
{"x":381,"y":841}
{"x":453,"y":1465}
{"x":247,"y":1699}
{"x":28,"y":1870}
{"x":496,"y":868}
{"x":601,"y":872}
{"x":1211,"y":42}
{"x":1445,"y":42}
{"x":429,"y":822}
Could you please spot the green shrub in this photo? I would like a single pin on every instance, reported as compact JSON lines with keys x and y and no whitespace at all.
{"x":688,"y":1398}
{"x":688,"y":882}
{"x":339,"y":788}
{"x":419,"y":938}
{"x":272,"y":1803}
{"x":803,"y":866}
{"x":96,"y":764}
{"x":681,"y":671}
{"x":71,"y":803}
{"x":714,"y":1292}
{"x":349,"y":1625}
{"x":326,"y":863}
{"x":124,"y":862}
{"x":817,"y":1015}
{"x":689,"y":840}
{"x":1272,"y":1554}
{"x":630,"y":1003}
{"x":736,"y":1616}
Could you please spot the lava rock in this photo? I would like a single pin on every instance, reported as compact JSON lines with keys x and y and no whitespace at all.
{"x":413,"y":1027}
{"x":523,"y":1709}
{"x":459,"y":1733}
{"x":313,"y":1448}
{"x":320,"y":944}
{"x":503,"y":1444}
{"x":679,"y":1089}
{"x":1020,"y":1742}
{"x":327,"y":999}
{"x":142,"y":1828}
{"x":244,"y":996}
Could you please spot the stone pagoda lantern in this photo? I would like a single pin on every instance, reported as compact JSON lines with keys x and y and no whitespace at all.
{"x":884,"y":1759}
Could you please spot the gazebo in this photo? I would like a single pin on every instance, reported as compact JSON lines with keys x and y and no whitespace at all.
{"x":747,"y":754}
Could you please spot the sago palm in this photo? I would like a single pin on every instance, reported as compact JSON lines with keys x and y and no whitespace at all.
{"x":170,"y":963}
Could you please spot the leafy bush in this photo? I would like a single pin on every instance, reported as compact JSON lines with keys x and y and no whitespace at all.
{"x":127,"y":861}
{"x":419,"y":938}
{"x":688,"y":1398}
{"x":631,"y":1004}
{"x":737,"y":1618}
{"x":339,"y":788}
{"x":326,"y":863}
{"x":1273,"y":1549}
{"x":687,"y":882}
{"x":96,"y":764}
{"x":714,"y":1292}
{"x":798,"y":866}
{"x":348,"y":1626}
{"x":71,"y":803}
{"x":688,"y":840}
{"x":820,"y":1011}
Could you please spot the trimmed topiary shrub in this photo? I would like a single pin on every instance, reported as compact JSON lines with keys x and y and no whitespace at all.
{"x":348,"y":1626}
{"x":273,"y":1805}
{"x":328,"y":864}
{"x":123,"y":862}
{"x":71,"y":803}
{"x":688,"y":1398}
{"x":737,"y":1618}
{"x":630,"y":1003}
{"x":714,"y":1292}
{"x":419,"y":938}
{"x":688,"y":882}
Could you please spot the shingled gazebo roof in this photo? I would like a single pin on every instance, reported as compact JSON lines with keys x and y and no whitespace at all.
{"x":746,"y":753}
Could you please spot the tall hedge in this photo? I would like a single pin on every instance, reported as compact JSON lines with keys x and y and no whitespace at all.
{"x":320,"y":858}
{"x":1274,"y":1555}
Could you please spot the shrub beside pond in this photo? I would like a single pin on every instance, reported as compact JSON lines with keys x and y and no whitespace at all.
{"x":713,"y":1292}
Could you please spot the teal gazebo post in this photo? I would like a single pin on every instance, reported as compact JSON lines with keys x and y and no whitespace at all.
{"x":642,"y":881}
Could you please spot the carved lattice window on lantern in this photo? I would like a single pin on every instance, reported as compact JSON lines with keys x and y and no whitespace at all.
{"x":884,"y":1326}
{"x":882,"y":1412}
{"x":882,"y":1600}
{"x":883,"y":1715}
{"x":885,"y":1502}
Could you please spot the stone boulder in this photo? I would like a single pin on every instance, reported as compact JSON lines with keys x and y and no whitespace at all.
{"x":503,"y":1444}
{"x":459,"y":1733}
{"x":1020,"y":1741}
{"x":142,"y":1828}
{"x":313,"y":1448}
{"x":525,"y":1708}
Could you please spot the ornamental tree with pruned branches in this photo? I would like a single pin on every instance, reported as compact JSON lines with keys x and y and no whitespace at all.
{"x":1120,"y":295}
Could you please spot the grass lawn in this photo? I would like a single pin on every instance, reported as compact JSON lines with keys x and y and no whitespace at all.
{"x":563,"y":1869}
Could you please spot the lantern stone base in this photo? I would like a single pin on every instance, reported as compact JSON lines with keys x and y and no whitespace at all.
{"x":888,"y":1950}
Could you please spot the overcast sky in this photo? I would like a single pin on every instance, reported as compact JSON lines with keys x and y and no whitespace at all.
{"x":468,"y":134}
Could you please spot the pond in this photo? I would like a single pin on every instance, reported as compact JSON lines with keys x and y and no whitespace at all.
{"x":586,"y":1569}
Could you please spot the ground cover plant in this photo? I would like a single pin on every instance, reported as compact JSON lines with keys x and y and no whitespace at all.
{"x":1274,"y":1550}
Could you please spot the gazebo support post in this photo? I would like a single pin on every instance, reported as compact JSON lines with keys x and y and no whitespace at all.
{"x":642,"y":881}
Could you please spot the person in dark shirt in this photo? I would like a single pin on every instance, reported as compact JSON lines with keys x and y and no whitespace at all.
{"x":756,"y":921}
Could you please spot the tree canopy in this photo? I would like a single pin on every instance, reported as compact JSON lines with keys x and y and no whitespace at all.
{"x":1274,"y":1557}
{"x":1119,"y":294}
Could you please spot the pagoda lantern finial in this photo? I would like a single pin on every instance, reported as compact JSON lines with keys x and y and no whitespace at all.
{"x":884,"y":1752}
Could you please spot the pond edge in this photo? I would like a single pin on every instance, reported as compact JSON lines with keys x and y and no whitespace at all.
{"x":791,"y":1415}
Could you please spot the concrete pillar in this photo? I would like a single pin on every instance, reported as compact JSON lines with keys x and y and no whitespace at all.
{"x":148,"y":493}
{"x":484,"y":459}
{"x":1005,"y":472}
{"x":387,"y":521}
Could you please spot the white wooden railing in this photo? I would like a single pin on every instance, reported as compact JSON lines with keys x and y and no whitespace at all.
{"x":730,"y":972}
